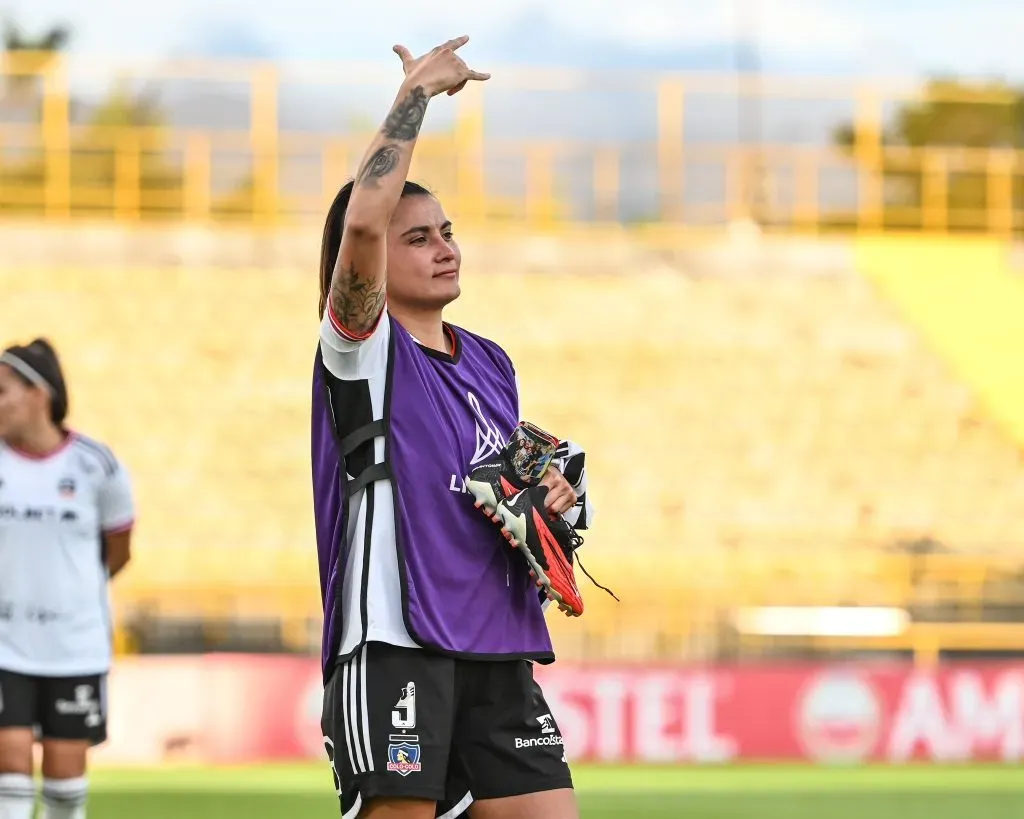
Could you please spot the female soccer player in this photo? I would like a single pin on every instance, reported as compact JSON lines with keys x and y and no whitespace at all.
{"x":66,"y":515}
{"x":431,"y":621}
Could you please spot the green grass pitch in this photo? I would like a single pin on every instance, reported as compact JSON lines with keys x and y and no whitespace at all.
{"x":763,"y":792}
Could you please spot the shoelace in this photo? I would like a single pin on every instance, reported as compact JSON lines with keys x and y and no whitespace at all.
{"x":576,"y":540}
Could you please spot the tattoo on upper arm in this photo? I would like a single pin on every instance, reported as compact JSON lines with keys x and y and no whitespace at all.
{"x":406,"y":118}
{"x":380,"y":164}
{"x":355,"y":301}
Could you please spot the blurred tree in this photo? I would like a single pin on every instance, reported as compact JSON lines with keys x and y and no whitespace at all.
{"x":123,"y":143}
{"x":52,"y":40}
{"x":24,"y":60}
{"x":951,"y":115}
{"x":25,"y":57}
{"x":128,"y":124}
{"x":956,"y":114}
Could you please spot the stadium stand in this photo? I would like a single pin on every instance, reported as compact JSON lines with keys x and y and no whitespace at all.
{"x":790,"y":422}
{"x":967,"y":300}
{"x":762,"y":430}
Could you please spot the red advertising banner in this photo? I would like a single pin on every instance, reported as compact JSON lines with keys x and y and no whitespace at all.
{"x":236,"y":709}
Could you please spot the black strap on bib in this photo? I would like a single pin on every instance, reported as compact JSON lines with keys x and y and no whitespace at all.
{"x":372,"y":473}
{"x":360,"y":436}
{"x":351,"y":442}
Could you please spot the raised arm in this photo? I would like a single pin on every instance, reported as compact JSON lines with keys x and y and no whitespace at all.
{"x":359,"y":281}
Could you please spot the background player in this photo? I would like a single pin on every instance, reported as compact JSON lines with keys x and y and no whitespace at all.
{"x":66,"y":514}
{"x":431,"y":624}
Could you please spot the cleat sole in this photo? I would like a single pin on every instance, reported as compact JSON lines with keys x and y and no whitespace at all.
{"x":512,"y":533}
{"x":486,"y":501}
{"x":483,"y":494}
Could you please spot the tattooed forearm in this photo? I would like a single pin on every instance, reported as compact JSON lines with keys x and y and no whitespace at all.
{"x":356,"y":301}
{"x":406,"y":118}
{"x":383,"y":161}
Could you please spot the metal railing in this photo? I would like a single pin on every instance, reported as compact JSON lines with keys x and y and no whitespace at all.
{"x":673,"y":607}
{"x":531,"y":148}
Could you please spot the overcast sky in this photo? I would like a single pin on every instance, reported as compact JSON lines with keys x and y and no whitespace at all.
{"x":981,"y":37}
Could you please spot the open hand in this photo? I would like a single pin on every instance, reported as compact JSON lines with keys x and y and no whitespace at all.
{"x":440,"y":69}
{"x":561,"y":496}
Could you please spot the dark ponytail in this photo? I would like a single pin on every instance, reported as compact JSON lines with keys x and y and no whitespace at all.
{"x":333,"y":227}
{"x":37,"y":365}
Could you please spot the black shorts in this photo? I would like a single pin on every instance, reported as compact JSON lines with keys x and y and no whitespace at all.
{"x":402,"y":722}
{"x":56,"y":707}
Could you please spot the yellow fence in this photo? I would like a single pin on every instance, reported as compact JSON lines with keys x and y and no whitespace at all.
{"x":541,"y":148}
{"x":671,"y":608}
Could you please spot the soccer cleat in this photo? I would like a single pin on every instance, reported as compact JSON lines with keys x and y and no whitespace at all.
{"x":520,"y":464}
{"x":545,"y":543}
{"x":491,"y":483}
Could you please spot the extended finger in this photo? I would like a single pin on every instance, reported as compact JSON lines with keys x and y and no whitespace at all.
{"x":403,"y":52}
{"x":479,"y":75}
{"x":457,"y":43}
